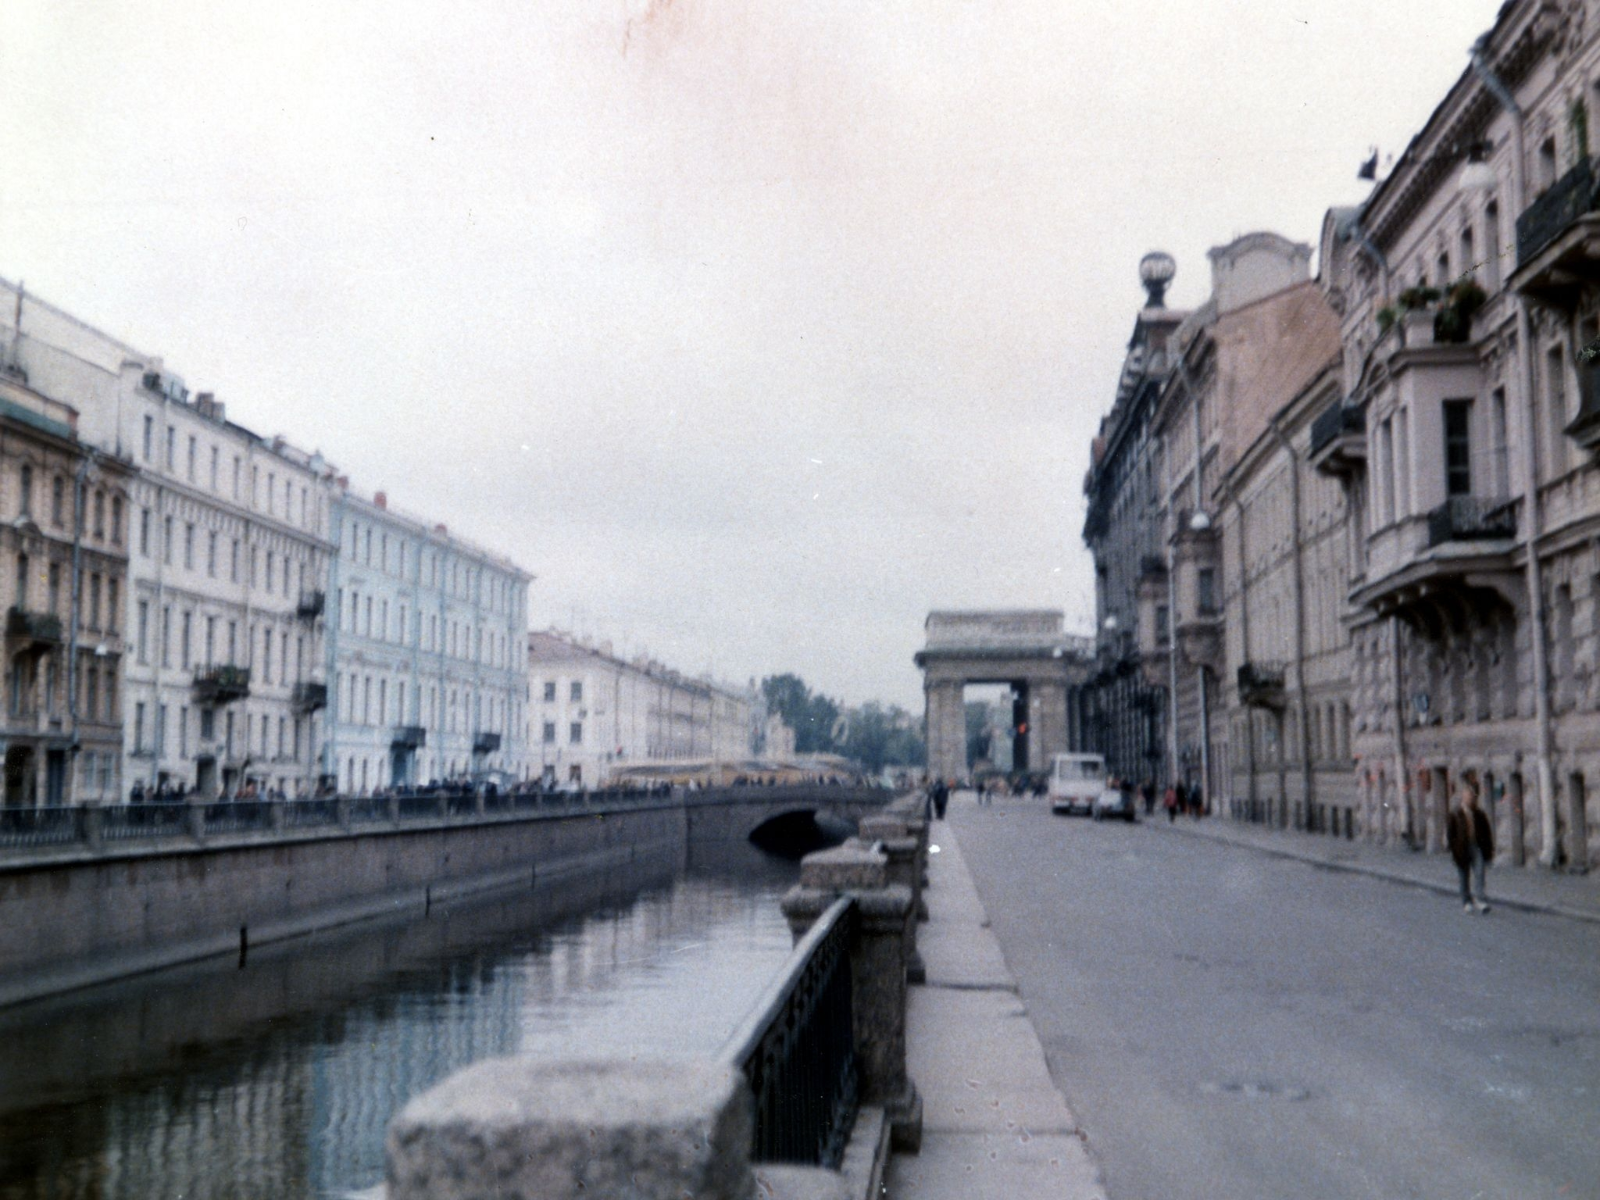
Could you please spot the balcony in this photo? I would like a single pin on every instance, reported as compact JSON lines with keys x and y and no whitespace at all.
{"x":32,"y":632}
{"x":309,"y":697}
{"x":409,"y":737}
{"x":486,"y":743}
{"x":1339,"y":439}
{"x":1446,"y":569}
{"x":311,"y":605}
{"x":1471,"y":519}
{"x":1558,"y":240}
{"x":1261,"y":684}
{"x":221,"y":684}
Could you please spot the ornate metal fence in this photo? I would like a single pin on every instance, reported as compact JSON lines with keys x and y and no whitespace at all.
{"x":797,"y":1049}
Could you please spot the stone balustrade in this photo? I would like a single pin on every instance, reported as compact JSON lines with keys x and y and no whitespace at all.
{"x":518,"y":1128}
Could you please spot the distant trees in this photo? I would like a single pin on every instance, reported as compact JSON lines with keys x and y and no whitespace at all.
{"x":874,"y":735}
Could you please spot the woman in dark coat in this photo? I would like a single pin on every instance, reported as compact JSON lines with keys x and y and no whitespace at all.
{"x":1471,"y":842}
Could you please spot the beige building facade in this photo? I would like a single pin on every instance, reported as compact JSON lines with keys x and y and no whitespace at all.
{"x":591,"y":712}
{"x":64,"y":562}
{"x":1470,"y":322}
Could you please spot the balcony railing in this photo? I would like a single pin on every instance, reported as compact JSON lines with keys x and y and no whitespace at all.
{"x":221,"y":684}
{"x":409,"y":737}
{"x":311,"y":605}
{"x":1585,"y":427}
{"x":1261,"y":684}
{"x":1334,"y":421}
{"x":38,"y":627}
{"x":486,"y":743}
{"x":1471,"y":519}
{"x":309,"y":697}
{"x":1543,"y":221}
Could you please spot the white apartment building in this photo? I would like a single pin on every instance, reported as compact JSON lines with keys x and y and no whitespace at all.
{"x":228,"y":557}
{"x":590,"y":712}
{"x":425,"y":651}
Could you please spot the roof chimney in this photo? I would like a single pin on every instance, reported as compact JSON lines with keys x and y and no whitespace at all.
{"x":381,"y":499}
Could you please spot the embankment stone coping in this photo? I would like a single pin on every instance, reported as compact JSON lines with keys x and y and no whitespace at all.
{"x":521,"y":1129}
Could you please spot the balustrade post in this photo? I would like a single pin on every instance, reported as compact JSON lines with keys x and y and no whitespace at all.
{"x":905,"y":868}
{"x":877,"y":973}
{"x":275,"y":814}
{"x":391,"y":809}
{"x":341,"y":812}
{"x":93,"y":826}
{"x":519,"y":1129}
{"x":195,"y":820}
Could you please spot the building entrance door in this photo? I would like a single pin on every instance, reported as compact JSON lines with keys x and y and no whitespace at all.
{"x":19,"y":764}
{"x":55,"y":777}
{"x":205,"y":775}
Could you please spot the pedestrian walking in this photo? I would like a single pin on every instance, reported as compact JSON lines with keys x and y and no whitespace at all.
{"x":941,"y":797}
{"x":1471,"y":842}
{"x":1147,"y":792}
{"x":1170,"y":802}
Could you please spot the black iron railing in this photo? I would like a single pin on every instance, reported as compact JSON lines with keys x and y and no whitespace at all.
{"x":486,"y":743}
{"x":221,"y":684}
{"x":46,"y":826}
{"x":409,"y":737}
{"x":39,"y":826}
{"x":1334,"y":421}
{"x":33,"y":626}
{"x":1261,"y":682}
{"x":311,"y":605}
{"x":1471,"y":518}
{"x":309,"y":697}
{"x":797,"y":1049}
{"x":1569,"y":198}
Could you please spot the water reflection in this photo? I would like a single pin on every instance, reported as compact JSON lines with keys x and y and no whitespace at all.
{"x":278,"y":1079}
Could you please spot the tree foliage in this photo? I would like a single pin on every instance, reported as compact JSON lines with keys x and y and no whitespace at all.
{"x":873,"y":735}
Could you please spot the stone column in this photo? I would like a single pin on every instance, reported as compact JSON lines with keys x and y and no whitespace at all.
{"x":947,"y":731}
{"x":519,"y":1129}
{"x":1050,"y":716}
{"x":877,"y":971}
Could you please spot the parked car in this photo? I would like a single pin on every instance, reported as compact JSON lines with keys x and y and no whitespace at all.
{"x":1075,"y":780}
{"x":1114,"y":802}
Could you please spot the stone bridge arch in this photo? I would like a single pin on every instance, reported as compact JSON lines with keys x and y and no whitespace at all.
{"x":1023,"y":648}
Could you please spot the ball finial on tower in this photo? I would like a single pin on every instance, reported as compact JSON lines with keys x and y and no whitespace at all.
{"x":1156,"y":270}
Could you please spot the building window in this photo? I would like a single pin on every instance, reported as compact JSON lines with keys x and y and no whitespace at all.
{"x":1206,"y":589}
{"x":193,"y":451}
{"x":215,"y":460}
{"x":94,"y":600}
{"x":577,"y":691}
{"x":211,"y":554}
{"x":100,"y":514}
{"x":188,"y":630}
{"x":143,"y":632}
{"x":1458,"y":447}
{"x":58,"y":487}
{"x":576,"y":733}
{"x":149,"y":437}
{"x":144,"y":532}
{"x":166,"y":546}
{"x":25,"y":491}
{"x":550,"y":691}
{"x":172,"y":448}
{"x":116,"y":520}
{"x":111,"y":605}
{"x":188,"y":546}
{"x":233,"y":561}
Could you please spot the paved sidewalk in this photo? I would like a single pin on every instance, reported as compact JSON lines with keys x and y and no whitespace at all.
{"x":994,"y":1125}
{"x":1529,"y":888}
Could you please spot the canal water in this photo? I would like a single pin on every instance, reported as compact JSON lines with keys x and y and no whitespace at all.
{"x":276,"y":1078}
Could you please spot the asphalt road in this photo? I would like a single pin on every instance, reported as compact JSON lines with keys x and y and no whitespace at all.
{"x":1226,"y":1024}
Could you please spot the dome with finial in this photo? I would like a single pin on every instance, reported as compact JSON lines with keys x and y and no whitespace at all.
{"x":1156,"y":270}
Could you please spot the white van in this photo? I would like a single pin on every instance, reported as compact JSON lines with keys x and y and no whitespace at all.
{"x":1076,"y":780}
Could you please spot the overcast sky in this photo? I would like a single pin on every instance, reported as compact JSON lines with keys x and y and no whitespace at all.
{"x":754,"y":330}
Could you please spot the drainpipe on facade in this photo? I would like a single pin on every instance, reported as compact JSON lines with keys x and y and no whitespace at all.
{"x":1308,"y":785}
{"x":1402,"y":777}
{"x":1200,"y":670}
{"x":1530,"y":457}
{"x":330,"y":638}
{"x":1244,"y":641}
{"x":80,"y":497}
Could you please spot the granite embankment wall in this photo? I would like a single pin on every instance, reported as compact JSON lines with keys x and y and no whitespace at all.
{"x":88,"y":915}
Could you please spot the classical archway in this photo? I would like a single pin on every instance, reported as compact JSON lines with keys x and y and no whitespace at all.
{"x":1024,"y":649}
